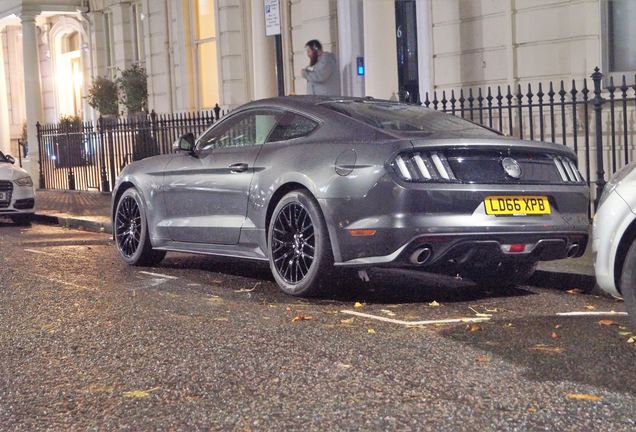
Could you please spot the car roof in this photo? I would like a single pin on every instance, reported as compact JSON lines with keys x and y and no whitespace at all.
{"x":307,"y":102}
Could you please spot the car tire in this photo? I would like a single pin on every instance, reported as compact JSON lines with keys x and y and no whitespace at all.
{"x":502,"y":275}
{"x":130,"y":228}
{"x":628,"y":284}
{"x":22,"y":219}
{"x":296,"y":230}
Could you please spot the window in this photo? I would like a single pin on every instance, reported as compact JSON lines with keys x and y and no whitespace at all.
{"x":138,"y":48}
{"x":406,"y":118}
{"x":292,"y":126}
{"x":108,"y":43}
{"x":242,"y":130}
{"x":204,"y":20}
{"x":619,"y":36}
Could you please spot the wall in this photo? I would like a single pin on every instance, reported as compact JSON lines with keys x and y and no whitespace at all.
{"x":481,"y":42}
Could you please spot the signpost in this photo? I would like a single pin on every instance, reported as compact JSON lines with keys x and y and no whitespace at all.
{"x":272,"y":28}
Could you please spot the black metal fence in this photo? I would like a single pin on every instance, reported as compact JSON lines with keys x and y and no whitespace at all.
{"x":85,"y":156}
{"x":597,"y":122}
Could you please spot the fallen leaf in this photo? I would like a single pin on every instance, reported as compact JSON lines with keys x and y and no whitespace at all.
{"x":575,"y":291}
{"x":371,"y":331}
{"x":347,"y":321}
{"x":532,"y":410}
{"x":343,"y":365}
{"x":138,"y":394}
{"x":547,"y":348}
{"x":98,"y":388}
{"x":301,"y":318}
{"x":482,"y":359}
{"x":625,"y":333}
{"x":357,"y":305}
{"x":558,"y":326}
{"x":583,"y":396}
{"x":631,"y":340}
{"x":554,"y":335}
{"x":606,"y":322}
{"x":590,"y":307}
{"x":473,"y":328}
{"x":508,"y":325}
{"x":387,"y":312}
{"x":433,"y":304}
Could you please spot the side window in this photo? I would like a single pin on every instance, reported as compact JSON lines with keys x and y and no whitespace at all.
{"x":247,"y":129}
{"x":292,"y":126}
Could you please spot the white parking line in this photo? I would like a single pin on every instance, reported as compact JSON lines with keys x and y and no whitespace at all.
{"x":39,"y":252}
{"x":415,"y":323}
{"x":160,"y":275}
{"x":595,"y":313}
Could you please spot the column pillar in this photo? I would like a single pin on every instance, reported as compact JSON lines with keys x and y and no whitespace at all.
{"x":380,"y":49}
{"x":32,"y":93}
{"x":264,"y":55}
{"x":5,"y":135}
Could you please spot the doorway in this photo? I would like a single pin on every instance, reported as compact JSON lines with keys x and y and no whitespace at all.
{"x":406,"y":36}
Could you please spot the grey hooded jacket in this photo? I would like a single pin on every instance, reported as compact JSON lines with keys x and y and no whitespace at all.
{"x":324,"y":78}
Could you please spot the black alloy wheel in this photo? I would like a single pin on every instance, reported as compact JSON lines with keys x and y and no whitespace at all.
{"x":294,"y":243}
{"x":131,"y":231}
{"x":128,"y":228}
{"x":300,"y":253}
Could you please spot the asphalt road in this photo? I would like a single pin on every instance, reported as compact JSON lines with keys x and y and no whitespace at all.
{"x":205,"y":343}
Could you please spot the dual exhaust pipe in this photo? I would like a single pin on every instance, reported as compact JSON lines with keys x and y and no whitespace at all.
{"x":421,"y":256}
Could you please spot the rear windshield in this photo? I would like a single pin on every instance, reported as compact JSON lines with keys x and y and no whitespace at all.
{"x":3,"y":158}
{"x":406,"y":118}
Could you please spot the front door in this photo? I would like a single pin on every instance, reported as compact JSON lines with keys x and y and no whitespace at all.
{"x":406,"y":35}
{"x":206,"y":194}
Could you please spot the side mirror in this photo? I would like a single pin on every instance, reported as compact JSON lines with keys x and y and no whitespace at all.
{"x":184,"y":143}
{"x":10,"y":158}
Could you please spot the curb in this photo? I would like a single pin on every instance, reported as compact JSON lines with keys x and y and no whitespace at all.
{"x":563,"y":281}
{"x":70,"y":222}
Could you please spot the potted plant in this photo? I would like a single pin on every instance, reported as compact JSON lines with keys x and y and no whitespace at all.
{"x":133,"y":88}
{"x":103,"y":97}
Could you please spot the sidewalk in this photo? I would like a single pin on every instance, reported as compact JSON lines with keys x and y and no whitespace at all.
{"x":74,"y":209}
{"x":91,"y":211}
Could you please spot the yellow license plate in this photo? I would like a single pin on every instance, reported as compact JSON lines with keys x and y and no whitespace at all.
{"x":517,"y":205}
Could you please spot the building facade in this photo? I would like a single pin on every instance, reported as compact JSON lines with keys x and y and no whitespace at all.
{"x":198,"y":53}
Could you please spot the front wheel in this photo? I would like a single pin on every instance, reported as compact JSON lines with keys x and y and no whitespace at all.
{"x":501,"y":275}
{"x":131,"y":231}
{"x":299,"y":248}
{"x":22,"y":219}
{"x":628,"y":284}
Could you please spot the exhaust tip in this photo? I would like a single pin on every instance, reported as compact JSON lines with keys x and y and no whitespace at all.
{"x":573,"y":250}
{"x":421,"y":256}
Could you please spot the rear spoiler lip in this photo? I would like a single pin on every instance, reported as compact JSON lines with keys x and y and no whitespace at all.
{"x":509,"y":144}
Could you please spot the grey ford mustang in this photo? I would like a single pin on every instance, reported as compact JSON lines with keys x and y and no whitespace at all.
{"x":316,"y":184}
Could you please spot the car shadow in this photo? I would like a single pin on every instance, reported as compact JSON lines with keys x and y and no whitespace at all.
{"x":385,"y":286}
{"x":582,"y":352}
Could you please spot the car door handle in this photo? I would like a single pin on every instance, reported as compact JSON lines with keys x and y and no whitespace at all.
{"x":238,"y":167}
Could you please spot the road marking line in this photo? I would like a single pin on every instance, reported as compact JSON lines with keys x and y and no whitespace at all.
{"x":39,"y":252}
{"x":62,"y":282}
{"x":160,"y":275}
{"x":415,"y":323}
{"x":596,"y":313}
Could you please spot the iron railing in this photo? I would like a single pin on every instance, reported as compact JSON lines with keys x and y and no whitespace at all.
{"x":597,"y":122}
{"x":85,"y":156}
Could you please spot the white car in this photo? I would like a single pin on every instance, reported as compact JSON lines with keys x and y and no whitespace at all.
{"x":614,"y":239}
{"x":17,"y":196}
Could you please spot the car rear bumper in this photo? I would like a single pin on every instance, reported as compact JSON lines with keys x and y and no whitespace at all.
{"x":451,"y":220}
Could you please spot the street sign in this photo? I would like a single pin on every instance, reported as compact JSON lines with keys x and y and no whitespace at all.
{"x":272,"y":17}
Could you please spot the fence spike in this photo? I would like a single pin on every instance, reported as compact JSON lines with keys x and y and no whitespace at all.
{"x":435,"y":101}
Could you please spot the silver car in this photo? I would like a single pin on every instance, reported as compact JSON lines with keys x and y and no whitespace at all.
{"x":614,"y":244}
{"x":317,"y":184}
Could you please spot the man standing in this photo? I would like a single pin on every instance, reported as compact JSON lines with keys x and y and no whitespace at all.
{"x":322,"y":74}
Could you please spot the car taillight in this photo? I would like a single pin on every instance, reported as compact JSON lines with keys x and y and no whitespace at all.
{"x":423,"y":167}
{"x":567,"y":170}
